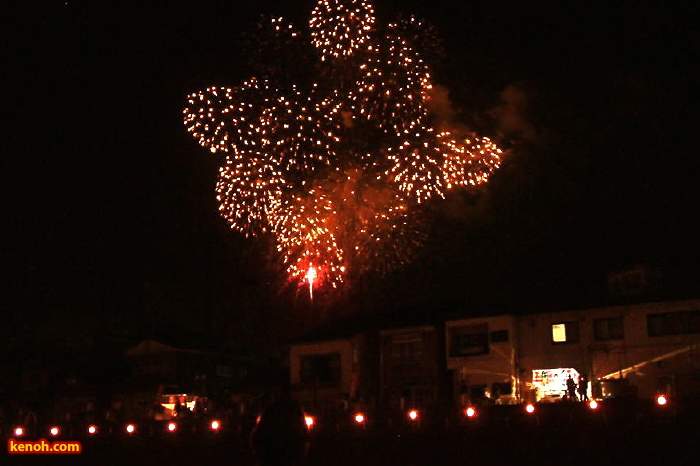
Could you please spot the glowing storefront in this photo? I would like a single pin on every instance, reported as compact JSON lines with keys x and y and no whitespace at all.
{"x":550,"y":384}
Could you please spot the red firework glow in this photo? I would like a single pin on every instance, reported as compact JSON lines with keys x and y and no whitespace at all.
{"x":337,"y":171}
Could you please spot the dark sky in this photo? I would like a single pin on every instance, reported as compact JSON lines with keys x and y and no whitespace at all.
{"x":108,"y":205}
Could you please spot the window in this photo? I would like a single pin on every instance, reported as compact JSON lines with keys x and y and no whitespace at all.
{"x":469,"y":340}
{"x":224,"y":370}
{"x":608,"y":329}
{"x":407,"y":350}
{"x":504,"y":388}
{"x":565,"y":332}
{"x":499,"y":336}
{"x":320,"y":368}
{"x":673,"y":323}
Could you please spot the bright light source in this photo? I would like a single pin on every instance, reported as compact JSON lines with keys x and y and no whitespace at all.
{"x":19,"y":431}
{"x":359,"y":418}
{"x":530,"y":408}
{"x":593,"y":404}
{"x":470,"y":411}
{"x":92,"y":430}
{"x":130,"y":429}
{"x":309,"y":421}
{"x":54,"y":431}
{"x":310,"y":277}
{"x":661,"y":400}
{"x":558,"y":333}
{"x":215,"y":425}
{"x":413,"y":415}
{"x":172,"y":427}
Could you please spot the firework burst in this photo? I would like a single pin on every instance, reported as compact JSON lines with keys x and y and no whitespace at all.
{"x":393,"y":88}
{"x":249,"y":188}
{"x":340,"y":28}
{"x":303,"y":131}
{"x":224,"y":119}
{"x":338,"y":170}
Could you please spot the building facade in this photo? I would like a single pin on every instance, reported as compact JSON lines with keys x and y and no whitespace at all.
{"x":322,"y":374}
{"x":653,"y":348}
{"x":639,"y":350}
{"x":481,"y":353}
{"x":411,"y":374}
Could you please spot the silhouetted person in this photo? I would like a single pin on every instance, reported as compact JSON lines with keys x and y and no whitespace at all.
{"x":27,"y":420}
{"x":583,"y":388}
{"x":571,"y":389}
{"x":178,"y":409}
{"x":279,"y":438}
{"x":199,"y":407}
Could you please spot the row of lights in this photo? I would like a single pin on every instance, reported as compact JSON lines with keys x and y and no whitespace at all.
{"x":55,"y":431}
{"x":470,"y":411}
{"x":360,"y":418}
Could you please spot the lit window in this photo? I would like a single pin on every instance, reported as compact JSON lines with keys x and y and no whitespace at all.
{"x":559,"y":333}
{"x":565,"y":332}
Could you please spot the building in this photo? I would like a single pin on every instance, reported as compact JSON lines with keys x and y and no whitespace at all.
{"x":367,"y":363}
{"x":411,"y":365}
{"x":385,"y":368}
{"x":651,"y":347}
{"x":324,"y":374}
{"x":482,"y":355}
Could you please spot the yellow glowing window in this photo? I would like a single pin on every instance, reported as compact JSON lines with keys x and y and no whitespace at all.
{"x":558,"y":333}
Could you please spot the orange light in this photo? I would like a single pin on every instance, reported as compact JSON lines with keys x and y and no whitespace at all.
{"x":530,"y":408}
{"x":130,"y":429}
{"x":92,"y":430}
{"x":413,"y":415}
{"x":309,"y":421}
{"x":593,"y":404}
{"x":359,"y":418}
{"x":54,"y":431}
{"x":172,"y":427}
{"x":215,"y":425}
{"x":661,"y":400}
{"x":470,"y":412}
{"x":19,"y":431}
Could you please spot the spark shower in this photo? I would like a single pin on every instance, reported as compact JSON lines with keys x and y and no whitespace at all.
{"x":337,"y":161}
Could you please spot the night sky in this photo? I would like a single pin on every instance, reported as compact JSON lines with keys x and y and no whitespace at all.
{"x":108,"y":204}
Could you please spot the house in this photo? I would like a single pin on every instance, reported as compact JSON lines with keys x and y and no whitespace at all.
{"x":481,"y":353}
{"x":653,"y":347}
{"x":410,"y":367}
{"x":335,"y":367}
{"x":388,"y":364}
{"x":378,"y":364}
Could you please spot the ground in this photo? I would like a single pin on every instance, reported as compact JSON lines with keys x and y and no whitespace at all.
{"x":553,"y":436}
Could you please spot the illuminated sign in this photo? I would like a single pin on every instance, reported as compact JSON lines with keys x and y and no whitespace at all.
{"x":552,"y":382}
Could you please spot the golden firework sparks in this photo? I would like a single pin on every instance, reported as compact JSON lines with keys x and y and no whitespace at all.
{"x":337,"y":173}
